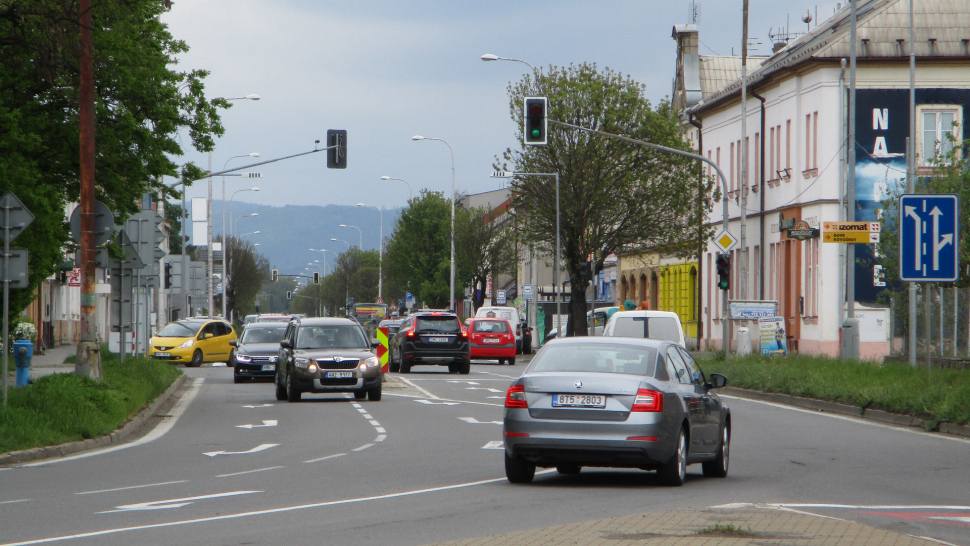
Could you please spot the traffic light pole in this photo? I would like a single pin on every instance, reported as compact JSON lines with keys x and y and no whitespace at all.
{"x":725,"y":327}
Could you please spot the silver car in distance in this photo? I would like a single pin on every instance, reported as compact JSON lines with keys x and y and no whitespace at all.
{"x":615,"y":402}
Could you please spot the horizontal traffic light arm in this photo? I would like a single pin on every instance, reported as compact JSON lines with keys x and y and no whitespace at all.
{"x":220,"y":173}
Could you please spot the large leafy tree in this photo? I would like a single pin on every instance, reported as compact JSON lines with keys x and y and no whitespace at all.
{"x":418,"y":251}
{"x":615,"y":196}
{"x":249,"y":270}
{"x":142,"y":106}
{"x":483,"y":246}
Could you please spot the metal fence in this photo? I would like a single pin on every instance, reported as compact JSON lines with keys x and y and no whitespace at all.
{"x":942,"y":323}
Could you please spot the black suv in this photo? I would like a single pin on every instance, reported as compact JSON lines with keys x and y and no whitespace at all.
{"x":323,"y":355}
{"x":435,"y":338}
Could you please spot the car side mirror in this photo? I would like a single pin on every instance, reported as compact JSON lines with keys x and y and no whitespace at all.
{"x":205,"y":336}
{"x":286,"y":344}
{"x":234,"y":343}
{"x":716,"y":381}
{"x":375,"y":343}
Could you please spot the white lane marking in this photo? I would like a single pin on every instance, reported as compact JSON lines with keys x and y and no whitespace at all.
{"x":465,"y":382}
{"x":481,"y":389}
{"x":173,"y":503}
{"x":380,"y":438}
{"x":498,"y":375}
{"x":363,"y":447}
{"x":249,"y":471}
{"x":361,"y":410}
{"x":158,"y":432}
{"x":871,"y":506}
{"x":325,"y":458}
{"x":381,"y":430}
{"x":260,"y":406}
{"x":474,"y":421}
{"x":373,"y":423}
{"x":426,"y":393}
{"x":430,"y":403}
{"x":857,"y":420}
{"x":218,"y":364}
{"x":130,"y":487}
{"x":367,"y":416}
{"x":257,"y":449}
{"x":957,"y":519}
{"x":15,"y":501}
{"x":266,"y":423}
{"x":280,"y":510}
{"x":498,"y":397}
{"x":494,"y":444}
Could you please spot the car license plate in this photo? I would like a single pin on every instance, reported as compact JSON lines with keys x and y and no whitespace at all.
{"x":269,"y":367}
{"x":338,"y":375}
{"x":160,"y":354}
{"x":491,"y":340}
{"x":579,"y":400}
{"x":437,"y":340}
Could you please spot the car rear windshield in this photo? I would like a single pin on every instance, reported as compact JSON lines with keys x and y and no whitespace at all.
{"x":662,"y":328}
{"x":255,"y":334}
{"x":624,"y":359}
{"x":498,"y":313}
{"x":440,"y":325}
{"x":492,"y":326}
{"x":180,"y":329}
{"x":331,"y":337}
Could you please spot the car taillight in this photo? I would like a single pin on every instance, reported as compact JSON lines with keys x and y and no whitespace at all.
{"x":518,"y":329}
{"x":648,"y":400}
{"x":464,"y":332}
{"x":411,"y":331}
{"x":515,"y":398}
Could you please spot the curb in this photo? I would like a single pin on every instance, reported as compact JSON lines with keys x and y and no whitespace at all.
{"x":115,"y":437}
{"x":898,"y":419}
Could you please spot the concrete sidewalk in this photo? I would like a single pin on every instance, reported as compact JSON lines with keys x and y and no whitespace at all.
{"x":750,"y":525}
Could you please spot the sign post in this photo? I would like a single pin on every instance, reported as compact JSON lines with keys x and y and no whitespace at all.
{"x":16,"y":218}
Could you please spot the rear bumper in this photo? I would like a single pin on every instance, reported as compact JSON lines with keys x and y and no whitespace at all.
{"x":439,"y":357}
{"x":492,"y":351}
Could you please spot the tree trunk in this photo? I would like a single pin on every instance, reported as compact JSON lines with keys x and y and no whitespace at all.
{"x":577,"y":326}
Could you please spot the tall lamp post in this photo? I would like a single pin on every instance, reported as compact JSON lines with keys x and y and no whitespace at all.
{"x":451,"y":292}
{"x":360,"y":234}
{"x":225,"y":240}
{"x":342,"y":241}
{"x":410,"y":193}
{"x":380,"y":255}
{"x":231,"y":215}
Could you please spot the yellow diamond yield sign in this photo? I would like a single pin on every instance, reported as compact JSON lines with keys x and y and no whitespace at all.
{"x":724,"y":240}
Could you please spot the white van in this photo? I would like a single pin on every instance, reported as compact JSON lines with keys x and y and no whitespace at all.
{"x":662,"y":325}
{"x":510,"y":314}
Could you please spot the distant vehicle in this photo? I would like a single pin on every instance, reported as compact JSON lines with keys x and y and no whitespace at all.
{"x":510,"y":314}
{"x":193,"y":341}
{"x":434,"y":338}
{"x":274,"y":318}
{"x":491,"y":338}
{"x":615,"y":402}
{"x":256,"y":351}
{"x":662,"y":325}
{"x":324,"y":355}
{"x":249,"y":318}
{"x":392,"y":325}
{"x":369,"y":315}
{"x":595,"y":322}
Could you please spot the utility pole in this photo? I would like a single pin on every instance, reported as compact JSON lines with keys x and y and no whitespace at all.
{"x":743,"y":254}
{"x":853,"y":348}
{"x":88,"y":363}
{"x":910,"y":173}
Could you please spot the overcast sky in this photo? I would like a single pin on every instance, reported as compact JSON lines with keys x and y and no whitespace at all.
{"x":388,"y":70}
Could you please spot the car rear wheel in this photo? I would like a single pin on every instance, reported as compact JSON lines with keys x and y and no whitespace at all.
{"x":280,"y":389}
{"x":405,"y":365}
{"x":453,"y":368}
{"x":465,"y":367}
{"x":519,"y":470}
{"x":293,"y":394}
{"x":392,"y":365}
{"x":501,"y":362}
{"x":360,"y":395}
{"x":374,"y":395}
{"x":196,"y":359}
{"x":718,"y":468}
{"x":672,"y":472}
{"x":569,"y":469}
{"x":511,"y":362}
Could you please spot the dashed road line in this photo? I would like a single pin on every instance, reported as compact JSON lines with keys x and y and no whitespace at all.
{"x":426,"y":393}
{"x":129,"y":487}
{"x":363,"y":447}
{"x":249,"y":471}
{"x":474,"y":421}
{"x":325,"y":458}
{"x":15,"y":501}
{"x":494,"y":444}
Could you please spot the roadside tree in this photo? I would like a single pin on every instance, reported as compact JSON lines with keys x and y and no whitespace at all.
{"x":483,"y":246}
{"x":419,"y":245}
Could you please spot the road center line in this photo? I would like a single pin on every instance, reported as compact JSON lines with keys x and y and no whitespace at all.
{"x":248,"y":471}
{"x":426,"y":393}
{"x":130,"y":487}
{"x":363,"y":447}
{"x":15,"y":501}
{"x":325,"y":458}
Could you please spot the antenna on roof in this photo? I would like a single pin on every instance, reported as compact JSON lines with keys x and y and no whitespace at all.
{"x":694,"y":16}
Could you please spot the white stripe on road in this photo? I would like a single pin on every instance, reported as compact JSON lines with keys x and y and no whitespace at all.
{"x":474,"y":421}
{"x":426,"y":393}
{"x":363,"y":447}
{"x":325,"y":458}
{"x":380,"y":438}
{"x":249,"y":471}
{"x":381,"y":430}
{"x":117,"y":530}
{"x":173,"y":503}
{"x":494,"y":444}
{"x":130,"y":487}
{"x":15,"y":501}
{"x":156,"y":433}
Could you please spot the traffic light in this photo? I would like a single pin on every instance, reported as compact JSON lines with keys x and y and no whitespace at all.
{"x":289,"y":295}
{"x":276,"y":275}
{"x":168,"y":275}
{"x":535,"y":121}
{"x":586,"y":271}
{"x":337,"y":157}
{"x":724,"y":271}
{"x":316,"y":277}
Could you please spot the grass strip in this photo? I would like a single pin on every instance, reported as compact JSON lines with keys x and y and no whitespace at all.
{"x":60,"y":408}
{"x":892,"y":387}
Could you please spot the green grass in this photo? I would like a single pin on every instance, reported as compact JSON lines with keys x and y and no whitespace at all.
{"x":898,"y":388}
{"x":63,"y":407}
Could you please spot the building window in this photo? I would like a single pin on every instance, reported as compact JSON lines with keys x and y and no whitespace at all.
{"x":731,"y":166}
{"x":757,"y":156}
{"x":936,"y":123}
{"x":772,"y":260}
{"x":811,"y":277}
{"x":757,"y":272}
{"x":787,"y":149}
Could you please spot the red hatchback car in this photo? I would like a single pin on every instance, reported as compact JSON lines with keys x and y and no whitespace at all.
{"x":492,"y":338}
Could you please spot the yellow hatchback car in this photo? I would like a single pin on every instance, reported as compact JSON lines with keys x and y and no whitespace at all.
{"x":194,"y":341}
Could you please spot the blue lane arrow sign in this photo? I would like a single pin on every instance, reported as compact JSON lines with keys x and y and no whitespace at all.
{"x":929,"y":245}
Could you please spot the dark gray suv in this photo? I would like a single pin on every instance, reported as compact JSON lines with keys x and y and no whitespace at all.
{"x":323,"y":355}
{"x":436,"y":338}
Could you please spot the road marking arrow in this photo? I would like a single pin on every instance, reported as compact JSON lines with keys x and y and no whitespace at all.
{"x":938,"y":242}
{"x":474,"y":421}
{"x":466,"y":382}
{"x":261,"y":447}
{"x":481,"y":389}
{"x":266,"y":423}
{"x":260,"y":406}
{"x":173,"y":503}
{"x":431,"y":403}
{"x":494,"y":444}
{"x":911,"y":212}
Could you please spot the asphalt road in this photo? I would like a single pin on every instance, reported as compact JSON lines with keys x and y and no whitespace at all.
{"x":425,"y":465}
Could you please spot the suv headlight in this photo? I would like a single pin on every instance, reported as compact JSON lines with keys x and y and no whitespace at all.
{"x":243,"y":358}
{"x":372,"y":361}
{"x":301,"y":362}
{"x":186,"y":344}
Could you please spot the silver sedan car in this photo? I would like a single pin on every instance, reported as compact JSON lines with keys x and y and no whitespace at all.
{"x":615,"y":402}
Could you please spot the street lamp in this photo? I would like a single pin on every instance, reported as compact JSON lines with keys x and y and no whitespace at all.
{"x":342,"y":241}
{"x":492,"y":57}
{"x":360,"y":233}
{"x":451,"y":294}
{"x":410,"y":193}
{"x":231,"y":200}
{"x":380,"y":255}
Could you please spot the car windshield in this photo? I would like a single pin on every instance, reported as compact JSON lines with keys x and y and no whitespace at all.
{"x":262,"y":335}
{"x":626,"y":359}
{"x":444,"y":325}
{"x":662,"y":328}
{"x":491,"y":326}
{"x":180,"y":329}
{"x":337,"y":336}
